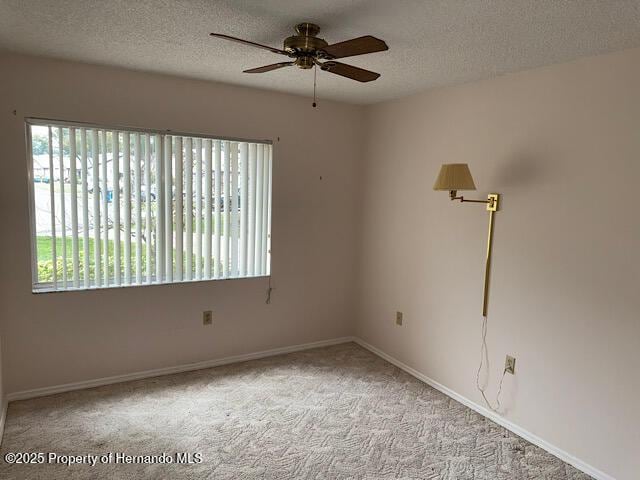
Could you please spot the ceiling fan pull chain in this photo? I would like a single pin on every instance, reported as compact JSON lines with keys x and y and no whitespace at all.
{"x":315,"y":70}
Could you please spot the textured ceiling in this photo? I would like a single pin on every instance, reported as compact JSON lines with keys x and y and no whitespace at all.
{"x":431,"y":43}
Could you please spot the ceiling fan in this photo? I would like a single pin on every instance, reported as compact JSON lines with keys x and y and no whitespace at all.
{"x":307,"y":50}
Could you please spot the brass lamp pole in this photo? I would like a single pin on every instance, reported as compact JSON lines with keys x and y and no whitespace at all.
{"x":454,"y":177}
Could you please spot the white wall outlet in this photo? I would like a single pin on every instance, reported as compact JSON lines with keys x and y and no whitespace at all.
{"x":207,"y":318}
{"x":398,"y":318}
{"x":510,"y":365}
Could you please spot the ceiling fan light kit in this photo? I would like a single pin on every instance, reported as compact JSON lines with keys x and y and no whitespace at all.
{"x":308,"y":50}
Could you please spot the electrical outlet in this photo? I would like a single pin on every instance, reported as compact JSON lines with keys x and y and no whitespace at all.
{"x":510,"y":365}
{"x":398,"y":318}
{"x":207,"y":318}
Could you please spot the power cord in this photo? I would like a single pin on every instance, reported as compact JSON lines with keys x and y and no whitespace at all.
{"x":269,"y":290}
{"x":483,"y":353}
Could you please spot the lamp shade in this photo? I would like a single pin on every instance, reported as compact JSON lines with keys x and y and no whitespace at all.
{"x":454,"y":176}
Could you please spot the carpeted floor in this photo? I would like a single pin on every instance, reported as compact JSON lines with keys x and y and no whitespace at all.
{"x":330,"y":413}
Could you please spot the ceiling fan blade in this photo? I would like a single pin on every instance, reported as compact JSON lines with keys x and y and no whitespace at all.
{"x":247,"y":42}
{"x":268,"y":68}
{"x":356,"y":46}
{"x":349,"y":71}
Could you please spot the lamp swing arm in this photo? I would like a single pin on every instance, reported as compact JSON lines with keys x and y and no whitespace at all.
{"x":453,"y":196}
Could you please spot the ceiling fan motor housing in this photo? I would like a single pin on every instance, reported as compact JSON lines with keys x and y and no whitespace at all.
{"x":305,"y":45}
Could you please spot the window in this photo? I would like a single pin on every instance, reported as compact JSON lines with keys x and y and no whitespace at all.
{"x":115,"y":207}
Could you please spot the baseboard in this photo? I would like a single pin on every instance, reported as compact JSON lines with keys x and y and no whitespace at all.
{"x":3,"y":417}
{"x":485,"y":412}
{"x":42,"y":392}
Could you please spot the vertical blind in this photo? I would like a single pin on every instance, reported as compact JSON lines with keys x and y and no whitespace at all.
{"x":115,"y":207}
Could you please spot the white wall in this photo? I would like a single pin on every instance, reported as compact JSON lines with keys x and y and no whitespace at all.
{"x":51,"y":339}
{"x":562,"y":145}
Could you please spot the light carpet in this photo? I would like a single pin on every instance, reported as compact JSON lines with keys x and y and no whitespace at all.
{"x":338,"y":412}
